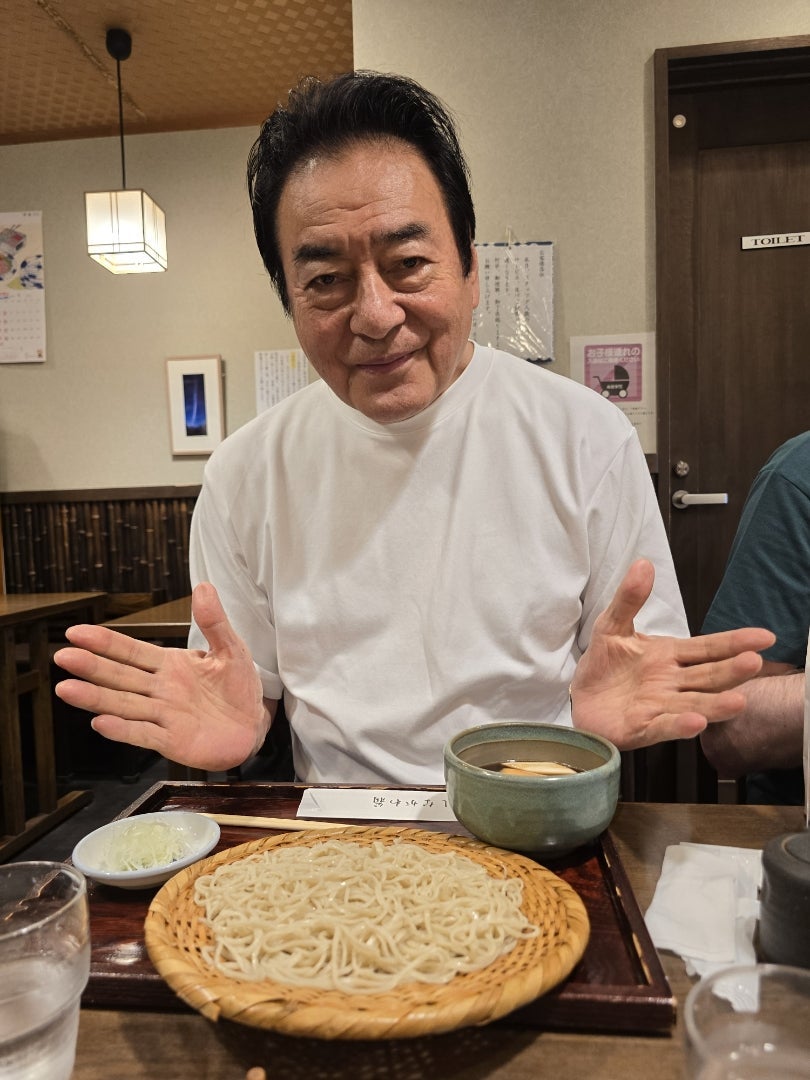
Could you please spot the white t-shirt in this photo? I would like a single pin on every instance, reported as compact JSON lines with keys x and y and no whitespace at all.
{"x":399,"y":583}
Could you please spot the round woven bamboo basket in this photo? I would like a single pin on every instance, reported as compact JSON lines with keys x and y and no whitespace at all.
{"x":175,"y":934}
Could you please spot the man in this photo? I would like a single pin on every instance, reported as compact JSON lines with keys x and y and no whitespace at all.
{"x":435,"y":534}
{"x":767,"y":579}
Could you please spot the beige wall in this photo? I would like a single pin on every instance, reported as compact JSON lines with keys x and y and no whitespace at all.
{"x":554,"y":102}
{"x":95,"y":414}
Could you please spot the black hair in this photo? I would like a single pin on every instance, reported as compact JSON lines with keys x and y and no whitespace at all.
{"x":328,"y":117}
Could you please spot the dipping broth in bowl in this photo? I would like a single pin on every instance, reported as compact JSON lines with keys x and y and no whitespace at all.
{"x":536,"y":788}
{"x":532,"y":757}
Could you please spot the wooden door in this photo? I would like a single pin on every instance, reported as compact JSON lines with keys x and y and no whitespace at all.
{"x":732,"y":161}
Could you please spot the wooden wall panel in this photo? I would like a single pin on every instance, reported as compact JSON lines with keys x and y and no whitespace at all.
{"x":115,"y":541}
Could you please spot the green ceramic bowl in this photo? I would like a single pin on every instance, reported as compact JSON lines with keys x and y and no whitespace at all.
{"x":539,"y":815}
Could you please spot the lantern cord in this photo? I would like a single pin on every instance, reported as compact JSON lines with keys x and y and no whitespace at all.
{"x":121,"y":126}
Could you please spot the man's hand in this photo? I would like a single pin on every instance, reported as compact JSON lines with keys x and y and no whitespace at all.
{"x":637,"y":690}
{"x":202,"y":709}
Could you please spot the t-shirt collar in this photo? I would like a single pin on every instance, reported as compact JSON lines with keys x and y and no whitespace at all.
{"x":453,"y":398}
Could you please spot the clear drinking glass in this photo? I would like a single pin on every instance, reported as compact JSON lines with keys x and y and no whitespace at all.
{"x":44,"y":966}
{"x":749,"y":1023}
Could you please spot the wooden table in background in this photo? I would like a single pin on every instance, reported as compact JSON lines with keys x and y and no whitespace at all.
{"x":24,"y":619}
{"x":169,"y":621}
{"x":138,"y":1045}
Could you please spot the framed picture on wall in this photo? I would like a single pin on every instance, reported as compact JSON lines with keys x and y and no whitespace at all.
{"x":196,"y":413}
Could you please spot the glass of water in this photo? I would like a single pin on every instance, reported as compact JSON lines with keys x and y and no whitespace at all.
{"x":749,"y":1022}
{"x":44,"y":966}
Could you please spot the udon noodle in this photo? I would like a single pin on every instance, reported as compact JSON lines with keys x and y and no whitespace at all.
{"x":359,"y":918}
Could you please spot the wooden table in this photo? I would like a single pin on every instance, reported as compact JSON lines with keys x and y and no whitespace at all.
{"x":24,"y":620}
{"x":137,"y":1044}
{"x":169,"y":621}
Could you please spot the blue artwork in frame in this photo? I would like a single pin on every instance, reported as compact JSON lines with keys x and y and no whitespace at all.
{"x":196,"y":413}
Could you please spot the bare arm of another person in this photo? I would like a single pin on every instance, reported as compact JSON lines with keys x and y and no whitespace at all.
{"x":637,"y":689}
{"x":768,"y":733}
{"x":201,"y":709}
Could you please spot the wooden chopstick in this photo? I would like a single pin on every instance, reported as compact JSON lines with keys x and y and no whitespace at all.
{"x":286,"y":824}
{"x":538,"y":768}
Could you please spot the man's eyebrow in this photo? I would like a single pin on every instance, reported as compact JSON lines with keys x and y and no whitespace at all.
{"x":305,"y":253}
{"x":415,"y":230}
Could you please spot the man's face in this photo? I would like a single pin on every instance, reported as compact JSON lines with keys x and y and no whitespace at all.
{"x":378,"y":299}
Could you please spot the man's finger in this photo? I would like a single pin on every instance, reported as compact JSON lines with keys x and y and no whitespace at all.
{"x":100,"y":700}
{"x":668,"y":727}
{"x":722,"y":646}
{"x":119,"y":647}
{"x":721,"y":674}
{"x":628,"y":600}
{"x":210,"y":617}
{"x":135,"y":733}
{"x":104,"y":672}
{"x":690,"y":715}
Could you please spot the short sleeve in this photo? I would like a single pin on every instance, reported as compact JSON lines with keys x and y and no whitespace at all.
{"x":767,"y":577}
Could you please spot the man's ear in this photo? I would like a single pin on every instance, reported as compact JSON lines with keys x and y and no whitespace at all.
{"x":472,"y":277}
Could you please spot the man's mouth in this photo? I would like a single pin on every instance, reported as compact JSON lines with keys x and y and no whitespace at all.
{"x":385,"y":364}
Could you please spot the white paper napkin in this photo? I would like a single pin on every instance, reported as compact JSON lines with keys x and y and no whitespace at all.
{"x":706,"y":905}
{"x":374,"y":804}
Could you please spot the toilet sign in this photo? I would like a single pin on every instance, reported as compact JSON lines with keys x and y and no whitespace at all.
{"x":773,"y":240}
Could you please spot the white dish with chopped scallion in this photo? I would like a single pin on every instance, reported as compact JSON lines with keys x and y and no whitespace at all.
{"x":145,"y":850}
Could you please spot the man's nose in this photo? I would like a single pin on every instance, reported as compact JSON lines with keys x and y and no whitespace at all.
{"x":376,"y":310}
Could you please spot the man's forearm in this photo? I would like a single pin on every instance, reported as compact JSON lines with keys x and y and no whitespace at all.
{"x":767,"y":734}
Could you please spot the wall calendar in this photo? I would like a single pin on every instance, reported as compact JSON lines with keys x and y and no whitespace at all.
{"x":22,"y":288}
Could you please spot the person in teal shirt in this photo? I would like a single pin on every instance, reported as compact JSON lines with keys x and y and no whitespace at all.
{"x":767,"y":583}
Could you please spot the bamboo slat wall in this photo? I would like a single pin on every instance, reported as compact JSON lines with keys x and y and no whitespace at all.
{"x":115,"y":541}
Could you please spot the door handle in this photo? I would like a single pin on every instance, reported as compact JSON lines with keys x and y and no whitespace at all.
{"x":682,"y":500}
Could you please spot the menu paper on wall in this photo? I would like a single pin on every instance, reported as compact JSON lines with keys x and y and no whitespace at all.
{"x":621,"y":367}
{"x":22,"y":288}
{"x":515,"y":312}
{"x":279,"y":373}
{"x":375,"y":805}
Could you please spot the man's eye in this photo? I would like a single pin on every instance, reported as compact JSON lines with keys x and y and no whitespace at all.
{"x":323,"y":281}
{"x":411,"y":262}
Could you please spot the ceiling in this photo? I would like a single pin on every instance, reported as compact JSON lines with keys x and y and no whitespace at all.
{"x":194,"y":64}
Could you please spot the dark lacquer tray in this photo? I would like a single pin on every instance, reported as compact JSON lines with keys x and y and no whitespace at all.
{"x":618,"y":986}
